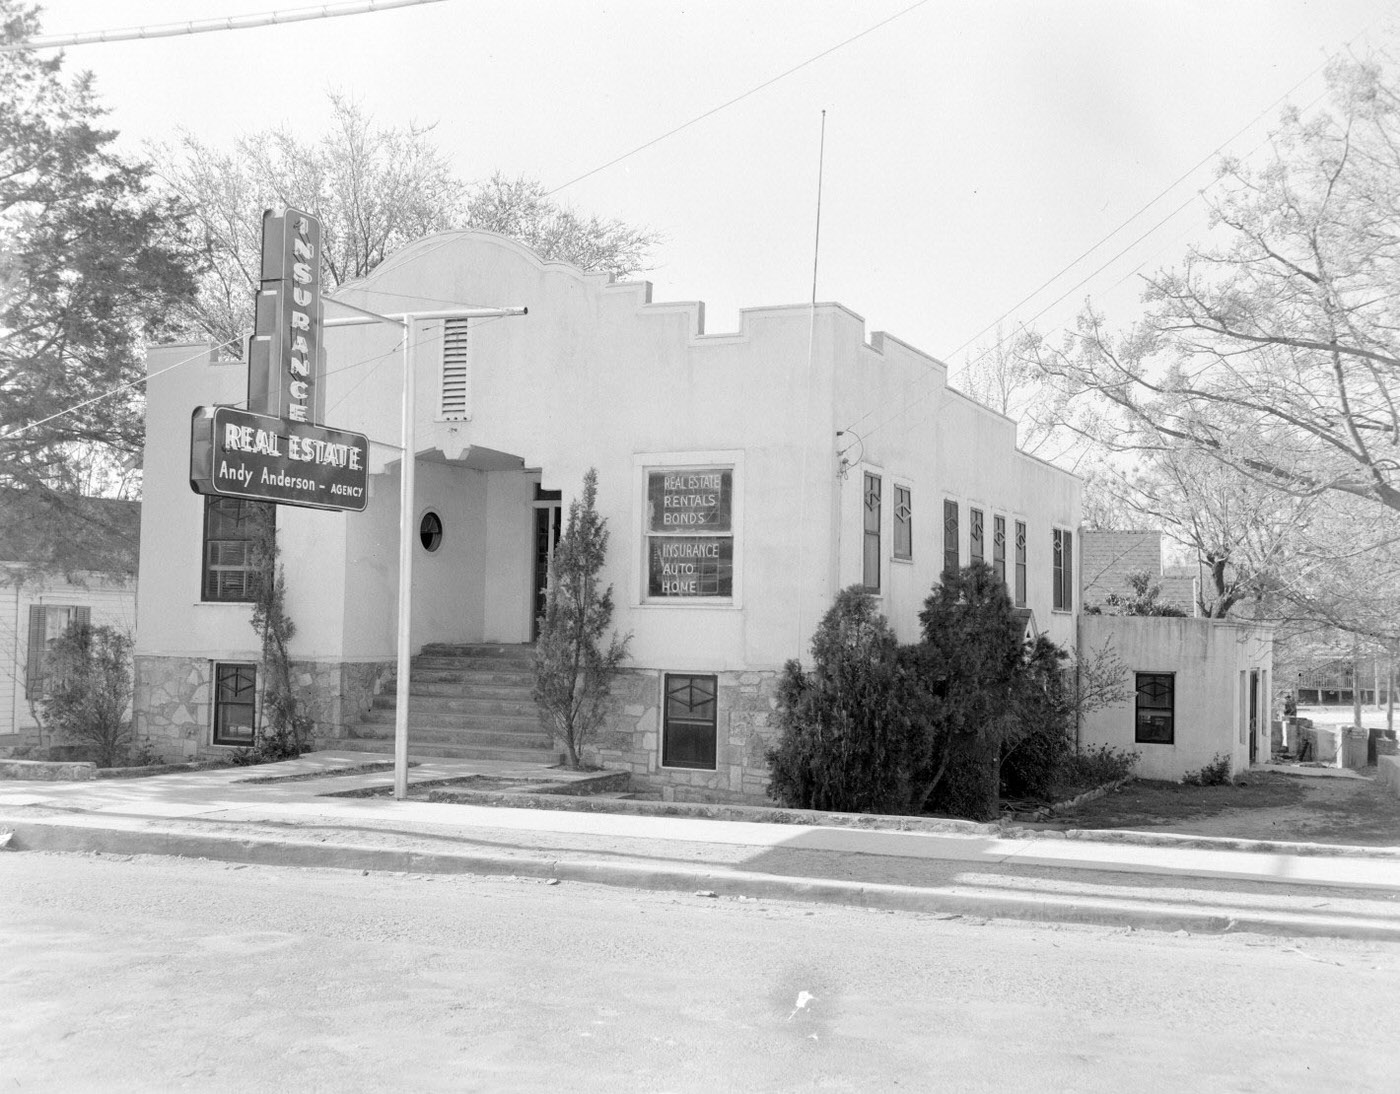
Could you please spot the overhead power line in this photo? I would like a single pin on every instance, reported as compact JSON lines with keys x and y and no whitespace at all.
{"x":740,"y":97}
{"x":205,"y":26}
{"x":929,"y":370}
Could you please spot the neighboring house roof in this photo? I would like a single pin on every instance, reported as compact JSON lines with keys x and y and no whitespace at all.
{"x":67,"y":533}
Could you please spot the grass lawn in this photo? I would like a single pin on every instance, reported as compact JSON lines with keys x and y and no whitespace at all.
{"x":1263,"y":805}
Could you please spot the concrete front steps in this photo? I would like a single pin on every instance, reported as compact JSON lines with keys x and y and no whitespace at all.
{"x":466,"y":702}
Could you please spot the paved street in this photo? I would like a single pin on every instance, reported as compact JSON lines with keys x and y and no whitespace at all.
{"x":149,"y":973}
{"x":282,"y":816}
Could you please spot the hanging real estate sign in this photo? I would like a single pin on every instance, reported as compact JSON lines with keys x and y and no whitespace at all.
{"x":237,"y":454}
{"x":284,"y":353}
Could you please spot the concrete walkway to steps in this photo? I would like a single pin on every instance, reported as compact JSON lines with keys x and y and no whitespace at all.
{"x":1156,"y":882}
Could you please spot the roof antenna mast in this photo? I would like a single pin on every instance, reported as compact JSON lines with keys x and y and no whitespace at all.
{"x":817,"y":240}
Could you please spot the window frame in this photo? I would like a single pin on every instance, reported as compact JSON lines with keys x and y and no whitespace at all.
{"x":1062,"y":570}
{"x":721,"y":535}
{"x":999,"y":547}
{"x":870,"y":538}
{"x":671,"y":683}
{"x":212,"y":503}
{"x":217,"y":704}
{"x":430,"y":538}
{"x":643,"y":465}
{"x":1139,"y":708}
{"x":952,"y":548}
{"x":42,"y":635}
{"x":1020,"y":591}
{"x":903,"y":523}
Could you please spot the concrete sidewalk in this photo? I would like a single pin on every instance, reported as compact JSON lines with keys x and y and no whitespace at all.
{"x":236,"y":814}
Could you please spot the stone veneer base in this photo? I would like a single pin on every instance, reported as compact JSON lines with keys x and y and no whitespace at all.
{"x":745,"y":729}
{"x":172,"y":705}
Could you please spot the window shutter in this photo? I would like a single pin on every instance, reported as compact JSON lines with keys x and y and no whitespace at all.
{"x":453,"y":407}
{"x":34,"y":663}
{"x":82,"y":617}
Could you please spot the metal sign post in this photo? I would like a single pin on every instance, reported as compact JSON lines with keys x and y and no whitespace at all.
{"x":407,"y":321}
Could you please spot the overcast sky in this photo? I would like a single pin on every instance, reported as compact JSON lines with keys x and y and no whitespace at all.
{"x":973,"y":149}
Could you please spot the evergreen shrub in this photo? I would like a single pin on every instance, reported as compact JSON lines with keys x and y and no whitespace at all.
{"x":1215,"y":773}
{"x":853,"y":732}
{"x":972,"y":661}
{"x":1094,"y":767}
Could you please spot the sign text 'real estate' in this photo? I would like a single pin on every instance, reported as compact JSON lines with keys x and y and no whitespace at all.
{"x":237,"y":454}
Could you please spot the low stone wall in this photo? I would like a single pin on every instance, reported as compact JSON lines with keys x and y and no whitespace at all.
{"x":172,"y":706}
{"x":335,"y":694}
{"x":68,"y":771}
{"x":744,"y":732}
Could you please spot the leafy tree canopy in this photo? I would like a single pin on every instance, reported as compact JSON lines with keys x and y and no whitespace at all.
{"x":376,"y":188}
{"x":91,"y":267}
{"x":1275,"y":348}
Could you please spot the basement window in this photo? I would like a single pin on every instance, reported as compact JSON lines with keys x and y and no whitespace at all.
{"x":235,"y":703}
{"x":1156,"y":709}
{"x":690,"y":722}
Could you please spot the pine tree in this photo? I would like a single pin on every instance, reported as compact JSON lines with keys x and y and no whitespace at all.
{"x":91,"y":267}
{"x":854,"y":730}
{"x":573,"y":669}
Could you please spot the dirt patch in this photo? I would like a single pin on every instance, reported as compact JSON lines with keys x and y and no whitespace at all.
{"x":1265,"y":806}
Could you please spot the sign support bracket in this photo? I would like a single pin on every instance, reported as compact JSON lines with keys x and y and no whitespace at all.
{"x":408,"y":322}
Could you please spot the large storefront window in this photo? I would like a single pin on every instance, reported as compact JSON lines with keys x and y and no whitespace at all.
{"x":690,"y":532}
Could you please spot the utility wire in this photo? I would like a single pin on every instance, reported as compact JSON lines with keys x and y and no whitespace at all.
{"x":928,"y":370}
{"x":740,"y":98}
{"x":1140,"y":211}
{"x":1155,"y":227}
{"x":1179,"y":180}
{"x":205,"y":26}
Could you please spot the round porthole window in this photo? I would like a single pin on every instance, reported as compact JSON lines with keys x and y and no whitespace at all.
{"x":430,"y":531}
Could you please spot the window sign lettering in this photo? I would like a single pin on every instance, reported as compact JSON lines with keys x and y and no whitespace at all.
{"x":690,"y":545}
{"x":690,"y":499}
{"x":691,"y":566}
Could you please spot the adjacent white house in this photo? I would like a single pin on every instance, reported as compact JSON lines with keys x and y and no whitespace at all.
{"x":1198,"y":688}
{"x":38,"y":601}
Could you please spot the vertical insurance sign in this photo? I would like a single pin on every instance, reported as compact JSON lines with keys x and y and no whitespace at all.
{"x":285,"y":350}
{"x":277,"y":450}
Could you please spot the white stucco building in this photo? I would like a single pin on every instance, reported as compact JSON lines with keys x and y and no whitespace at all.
{"x":746,"y":477}
{"x":1198,"y":689}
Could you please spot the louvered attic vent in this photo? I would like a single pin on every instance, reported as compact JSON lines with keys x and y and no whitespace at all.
{"x":454,"y":371}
